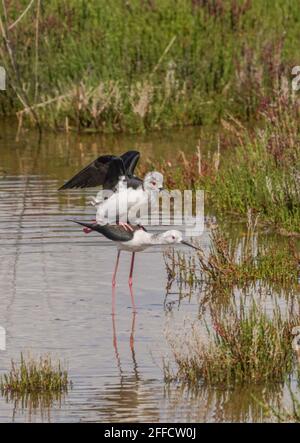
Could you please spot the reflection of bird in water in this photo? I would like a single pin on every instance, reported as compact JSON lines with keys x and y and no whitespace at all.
{"x":131,"y":342}
{"x":126,"y":396}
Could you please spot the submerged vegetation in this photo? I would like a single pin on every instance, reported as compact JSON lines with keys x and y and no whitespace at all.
{"x":110,"y":65}
{"x":32,"y":376}
{"x":244,"y":346}
{"x":248,"y":336}
{"x":284,"y":414}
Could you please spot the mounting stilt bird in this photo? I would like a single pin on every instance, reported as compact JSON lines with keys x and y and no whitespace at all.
{"x":126,"y":203}
{"x":105,"y":171}
{"x":136,"y":239}
{"x":117,"y":174}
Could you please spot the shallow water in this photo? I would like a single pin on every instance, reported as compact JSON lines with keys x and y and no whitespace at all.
{"x":55,"y":289}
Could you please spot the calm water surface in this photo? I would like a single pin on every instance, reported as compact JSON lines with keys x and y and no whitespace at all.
{"x":55,"y":289}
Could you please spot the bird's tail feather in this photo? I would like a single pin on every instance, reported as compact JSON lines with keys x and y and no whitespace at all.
{"x":92,"y":226}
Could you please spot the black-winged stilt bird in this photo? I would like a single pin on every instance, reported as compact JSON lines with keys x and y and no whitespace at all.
{"x":127,"y":202}
{"x":136,"y":239}
{"x":105,"y":171}
{"x":116,"y":174}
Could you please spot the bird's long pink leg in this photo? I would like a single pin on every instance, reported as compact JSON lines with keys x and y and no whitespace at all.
{"x":130,"y":281}
{"x":116,"y":269}
{"x":113,"y":301}
{"x":113,"y":298}
{"x":131,"y":341}
{"x":131,"y":269}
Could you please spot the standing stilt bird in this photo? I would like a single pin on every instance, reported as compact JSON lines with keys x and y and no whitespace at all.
{"x":136,"y":239}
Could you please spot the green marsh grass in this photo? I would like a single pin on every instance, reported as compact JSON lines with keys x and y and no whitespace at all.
{"x":250,"y":169}
{"x":110,"y":65}
{"x":262,"y":172}
{"x":31,"y":376}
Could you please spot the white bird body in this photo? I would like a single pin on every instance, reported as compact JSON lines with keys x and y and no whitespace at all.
{"x":104,"y":195}
{"x":120,"y":204}
{"x":142,"y":240}
{"x":126,"y":203}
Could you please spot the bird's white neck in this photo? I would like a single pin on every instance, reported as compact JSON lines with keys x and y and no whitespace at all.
{"x":147,"y":239}
{"x":157,"y":239}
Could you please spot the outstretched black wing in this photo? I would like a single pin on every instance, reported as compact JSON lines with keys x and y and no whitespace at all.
{"x":115,"y":170}
{"x":130,"y":160}
{"x":92,"y":175}
{"x":104,"y":171}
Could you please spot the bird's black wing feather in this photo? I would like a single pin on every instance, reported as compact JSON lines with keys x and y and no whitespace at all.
{"x":130,"y":159}
{"x":92,"y":175}
{"x":112,"y":232}
{"x":118,"y":233}
{"x":105,"y":171}
{"x":116,"y":168}
{"x":134,"y":182}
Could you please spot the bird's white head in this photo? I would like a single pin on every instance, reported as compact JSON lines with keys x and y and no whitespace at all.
{"x":153,"y":181}
{"x":174,"y":237}
{"x":171,"y":237}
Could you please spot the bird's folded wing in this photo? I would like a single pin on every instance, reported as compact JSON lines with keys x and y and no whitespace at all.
{"x":118,"y":233}
{"x":113,"y":232}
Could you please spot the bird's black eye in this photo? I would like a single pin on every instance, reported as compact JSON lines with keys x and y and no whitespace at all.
{"x":173,"y":237}
{"x":153,"y":183}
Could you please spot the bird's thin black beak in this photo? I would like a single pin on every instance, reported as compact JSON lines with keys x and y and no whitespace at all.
{"x":190,"y":245}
